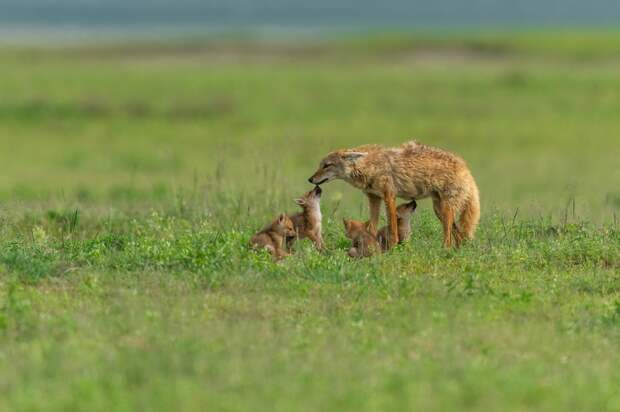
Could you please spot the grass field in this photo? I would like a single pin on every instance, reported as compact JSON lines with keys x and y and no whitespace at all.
{"x":133,"y":177}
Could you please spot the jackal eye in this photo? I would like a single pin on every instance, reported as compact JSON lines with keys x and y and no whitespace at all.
{"x":326,"y":165}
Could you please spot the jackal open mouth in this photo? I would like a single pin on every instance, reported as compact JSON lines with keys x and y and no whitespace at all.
{"x":317,"y":190}
{"x":321,"y":182}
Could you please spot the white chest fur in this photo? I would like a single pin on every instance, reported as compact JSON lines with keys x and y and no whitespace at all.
{"x":317,"y":217}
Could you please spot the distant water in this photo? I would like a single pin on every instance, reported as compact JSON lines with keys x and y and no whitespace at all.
{"x":87,"y":20}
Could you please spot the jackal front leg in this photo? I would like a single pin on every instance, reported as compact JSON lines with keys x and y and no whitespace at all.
{"x":374,"y":205}
{"x":390,"y":209}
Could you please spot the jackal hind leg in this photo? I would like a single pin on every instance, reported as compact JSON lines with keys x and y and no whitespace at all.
{"x":457,"y":235}
{"x":456,"y":232}
{"x":445,"y":213}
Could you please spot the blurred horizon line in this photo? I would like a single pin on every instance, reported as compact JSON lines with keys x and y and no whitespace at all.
{"x":87,"y":21}
{"x":83,"y":34}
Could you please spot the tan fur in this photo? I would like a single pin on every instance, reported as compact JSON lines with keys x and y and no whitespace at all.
{"x":410,"y":171}
{"x":272,"y":237}
{"x":364,"y":243}
{"x":403,"y":217}
{"x":308,"y":222}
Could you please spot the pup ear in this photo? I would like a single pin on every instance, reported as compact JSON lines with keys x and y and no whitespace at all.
{"x":281,"y":218}
{"x":300,"y":201}
{"x":353,"y":156}
{"x":346,"y":223}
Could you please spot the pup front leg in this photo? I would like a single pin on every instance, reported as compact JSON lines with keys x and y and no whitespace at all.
{"x":281,"y":250}
{"x":290,"y":241}
{"x":390,"y":208}
{"x":317,"y":239}
{"x":353,"y":252}
{"x":281,"y":254}
{"x":374,"y":205}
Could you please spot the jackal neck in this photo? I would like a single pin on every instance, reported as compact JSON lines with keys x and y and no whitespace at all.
{"x":312,"y":215}
{"x":357,"y":178}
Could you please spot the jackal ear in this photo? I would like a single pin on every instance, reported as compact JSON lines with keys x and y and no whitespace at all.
{"x":353,"y":156}
{"x":300,"y":201}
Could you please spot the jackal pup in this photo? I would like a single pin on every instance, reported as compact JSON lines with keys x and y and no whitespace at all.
{"x":403,"y":218}
{"x":273,"y":237}
{"x":364,"y":243}
{"x":308,"y":222}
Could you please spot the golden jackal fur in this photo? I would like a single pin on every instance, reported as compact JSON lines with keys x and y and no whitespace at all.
{"x":364,"y":243}
{"x":403,"y":217}
{"x":308,"y":223}
{"x":273,"y":236}
{"x":410,"y":171}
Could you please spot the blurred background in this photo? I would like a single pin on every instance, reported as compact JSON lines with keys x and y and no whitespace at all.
{"x":40,"y":18}
{"x":140,"y":104}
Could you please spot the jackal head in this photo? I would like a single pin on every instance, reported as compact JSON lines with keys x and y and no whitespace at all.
{"x":353,"y":228}
{"x":405,"y":210}
{"x":310,"y":199}
{"x":336,"y":165}
{"x":283,"y":226}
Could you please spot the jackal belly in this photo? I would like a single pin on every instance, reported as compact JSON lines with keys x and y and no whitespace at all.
{"x":409,"y":193}
{"x":413,"y":190}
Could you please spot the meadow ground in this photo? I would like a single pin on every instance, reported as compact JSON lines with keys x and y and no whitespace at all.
{"x":133,"y":177}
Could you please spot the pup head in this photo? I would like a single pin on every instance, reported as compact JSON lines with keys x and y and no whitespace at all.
{"x":336,"y":165}
{"x":310,"y":199}
{"x":283,"y":225}
{"x":406,"y":209}
{"x":353,"y":228}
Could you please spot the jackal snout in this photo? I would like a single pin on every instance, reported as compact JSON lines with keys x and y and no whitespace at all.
{"x":318,"y":178}
{"x":324,"y":173}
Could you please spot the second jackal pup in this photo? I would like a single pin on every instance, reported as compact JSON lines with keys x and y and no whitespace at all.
{"x":364,"y":243}
{"x":403,"y":218}
{"x":308,"y":223}
{"x":273,"y":237}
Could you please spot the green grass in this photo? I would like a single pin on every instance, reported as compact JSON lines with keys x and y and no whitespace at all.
{"x":134,"y":177}
{"x":567,"y":45}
